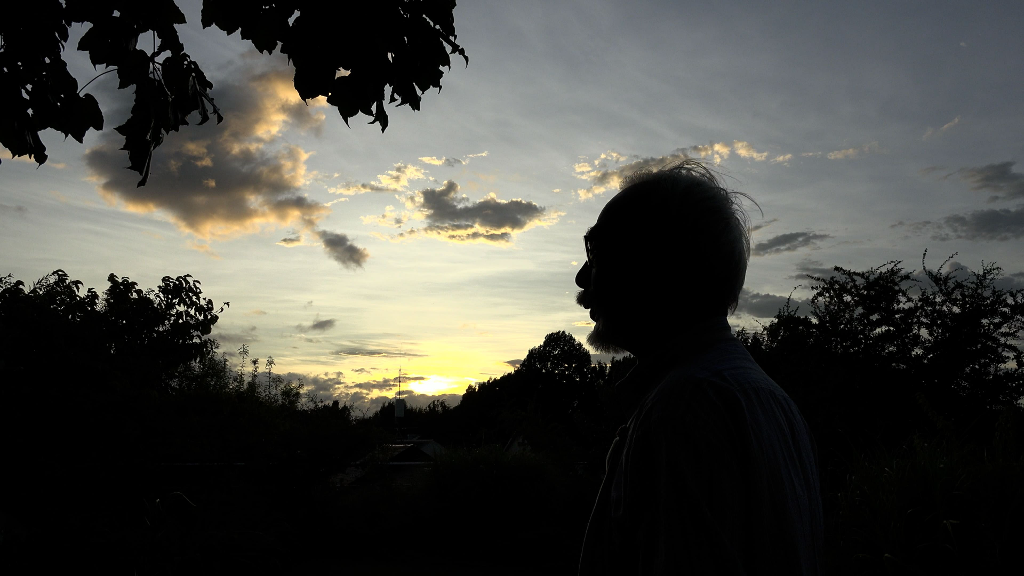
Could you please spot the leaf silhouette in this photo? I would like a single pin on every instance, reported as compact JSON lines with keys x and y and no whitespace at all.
{"x":387,"y":43}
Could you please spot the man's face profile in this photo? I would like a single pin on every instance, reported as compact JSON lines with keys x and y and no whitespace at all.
{"x":606,"y":285}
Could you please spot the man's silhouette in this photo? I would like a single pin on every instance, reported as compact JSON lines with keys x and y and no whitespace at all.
{"x":715,"y":471}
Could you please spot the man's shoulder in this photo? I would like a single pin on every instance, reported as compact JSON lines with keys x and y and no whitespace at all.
{"x":726,"y":362}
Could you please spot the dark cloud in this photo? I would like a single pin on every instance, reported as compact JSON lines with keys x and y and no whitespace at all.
{"x":809,"y":267}
{"x":342,"y":250}
{"x":1001,"y":225}
{"x":363,"y":397}
{"x":459,"y":219}
{"x":763,"y":225}
{"x":291,"y":240}
{"x":386,"y":384}
{"x":1013,"y":281}
{"x":999,"y":178}
{"x":372,"y":385}
{"x":245,"y":336}
{"x":222,"y":181}
{"x":8,"y":209}
{"x":788,"y":242}
{"x":373,"y":350}
{"x":317,"y":325}
{"x":764,"y":305}
{"x":514,"y":363}
{"x":327,"y":386}
{"x":360,"y":371}
{"x":365,"y":405}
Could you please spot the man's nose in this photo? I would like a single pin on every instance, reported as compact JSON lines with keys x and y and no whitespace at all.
{"x":583,"y":276}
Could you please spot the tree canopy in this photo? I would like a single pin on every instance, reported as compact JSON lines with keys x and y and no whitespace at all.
{"x":884,"y":352}
{"x":350,"y":53}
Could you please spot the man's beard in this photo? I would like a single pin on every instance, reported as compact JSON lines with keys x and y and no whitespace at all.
{"x":599,"y":338}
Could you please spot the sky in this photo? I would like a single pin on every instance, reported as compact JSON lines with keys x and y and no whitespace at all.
{"x":447,"y":246}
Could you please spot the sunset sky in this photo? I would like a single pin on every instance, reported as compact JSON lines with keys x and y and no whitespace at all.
{"x":447,"y":246}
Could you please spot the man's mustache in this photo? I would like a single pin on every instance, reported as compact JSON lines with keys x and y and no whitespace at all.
{"x":584,"y":299}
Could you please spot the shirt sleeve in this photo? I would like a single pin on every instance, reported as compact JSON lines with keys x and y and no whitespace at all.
{"x":686,"y":485}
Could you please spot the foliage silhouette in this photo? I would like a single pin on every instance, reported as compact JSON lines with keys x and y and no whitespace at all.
{"x":193,"y":463}
{"x":885,"y":352}
{"x":394,"y":43}
{"x":911,"y":383}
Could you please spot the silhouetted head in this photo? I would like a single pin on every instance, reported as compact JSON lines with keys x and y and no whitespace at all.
{"x":669,"y":249}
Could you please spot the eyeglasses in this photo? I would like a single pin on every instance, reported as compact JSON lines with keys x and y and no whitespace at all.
{"x":588,"y":244}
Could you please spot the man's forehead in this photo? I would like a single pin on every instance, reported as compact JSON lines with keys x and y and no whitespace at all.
{"x":623,"y":211}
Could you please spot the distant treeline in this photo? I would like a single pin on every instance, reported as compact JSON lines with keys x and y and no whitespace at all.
{"x":139,"y":446}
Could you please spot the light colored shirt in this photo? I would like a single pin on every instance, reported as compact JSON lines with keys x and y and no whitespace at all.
{"x":715,"y":473}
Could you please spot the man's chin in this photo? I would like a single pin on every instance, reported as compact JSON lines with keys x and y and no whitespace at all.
{"x":599,"y":340}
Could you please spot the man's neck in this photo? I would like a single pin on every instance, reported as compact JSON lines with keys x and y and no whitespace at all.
{"x":693,"y":333}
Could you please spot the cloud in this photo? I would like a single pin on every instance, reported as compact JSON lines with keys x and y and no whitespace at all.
{"x":412,"y":400}
{"x":813,"y":268}
{"x":398,"y":179}
{"x":224,"y":181}
{"x":745,"y":150}
{"x":761,"y":305}
{"x":256,"y":312}
{"x":8,"y":155}
{"x":601,"y":177}
{"x":389,"y":218}
{"x":455,"y":218}
{"x":317,"y":325}
{"x":763,"y":225}
{"x":442,"y":161}
{"x":999,"y":178}
{"x":204,"y":248}
{"x":245,"y":336}
{"x":327,"y":386}
{"x":387,"y":384}
{"x":583,"y":323}
{"x":717,"y":151}
{"x":1000,"y":225}
{"x":788,"y":242}
{"x":931,"y":133}
{"x":14,"y":210}
{"x":986,"y":225}
{"x":514,"y":363}
{"x":364,"y":398}
{"x":291,"y":240}
{"x":372,"y":385}
{"x":1013,"y":281}
{"x":446,"y":161}
{"x":850,"y":153}
{"x":394,"y":180}
{"x":373,"y":350}
{"x":342,"y":250}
